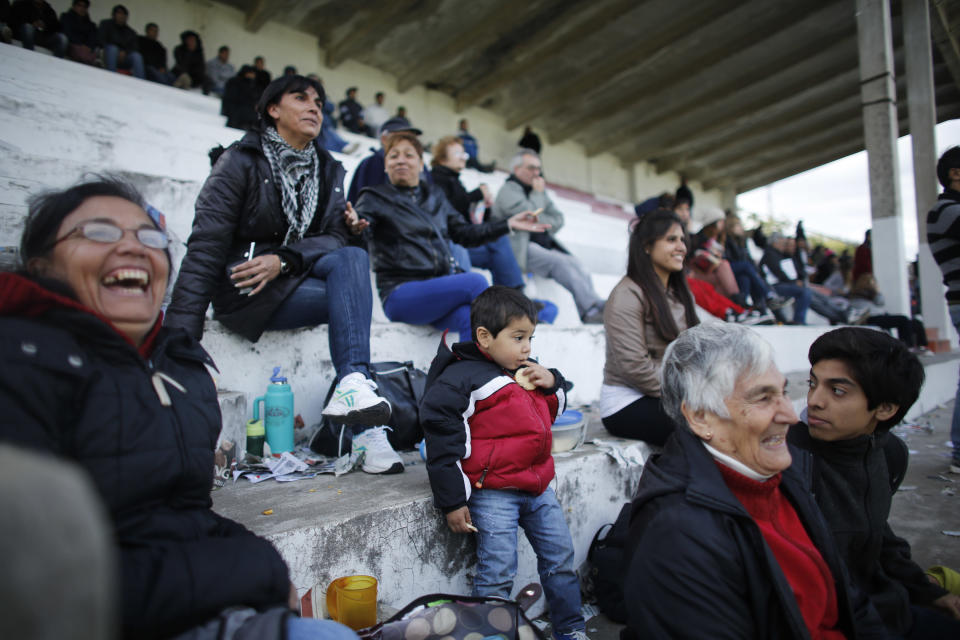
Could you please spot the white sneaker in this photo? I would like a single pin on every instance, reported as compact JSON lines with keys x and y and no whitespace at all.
{"x":377,"y":454}
{"x":355,"y":401}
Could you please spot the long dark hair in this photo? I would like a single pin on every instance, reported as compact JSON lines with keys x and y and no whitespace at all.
{"x":651,"y":228}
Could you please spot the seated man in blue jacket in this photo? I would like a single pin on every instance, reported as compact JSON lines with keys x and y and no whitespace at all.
{"x":862,"y":383}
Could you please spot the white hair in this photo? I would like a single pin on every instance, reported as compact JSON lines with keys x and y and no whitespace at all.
{"x":701,"y":367}
{"x":517,"y":159}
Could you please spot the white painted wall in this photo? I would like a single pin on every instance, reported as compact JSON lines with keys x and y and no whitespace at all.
{"x":432,"y":111}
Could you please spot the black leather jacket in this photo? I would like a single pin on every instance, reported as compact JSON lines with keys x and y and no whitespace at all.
{"x":410,"y":231}
{"x":237,"y":205}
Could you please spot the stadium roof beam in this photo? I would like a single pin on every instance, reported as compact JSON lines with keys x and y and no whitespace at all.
{"x":373,"y":21}
{"x":653,"y":47}
{"x":479,"y":34}
{"x":573,"y":25}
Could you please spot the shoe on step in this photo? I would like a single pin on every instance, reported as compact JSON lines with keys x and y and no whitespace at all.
{"x":579,"y":634}
{"x":377,"y":454}
{"x":355,"y":401}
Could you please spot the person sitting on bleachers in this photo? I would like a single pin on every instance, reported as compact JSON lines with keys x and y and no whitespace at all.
{"x":154,"y":55}
{"x":529,"y":140}
{"x":240,"y":97}
{"x":647,"y":310}
{"x":89,"y":375}
{"x":268,"y":247}
{"x":189,"y":66}
{"x":866,"y":296}
{"x":6,"y":33}
{"x":81,"y":32}
{"x":409,"y":225}
{"x":329,"y":137}
{"x":749,"y":280}
{"x":470,"y":145}
{"x":351,"y":114}
{"x":375,"y":114}
{"x":540,"y":253}
{"x":121,"y":48}
{"x":370,"y":171}
{"x":263,"y":76}
{"x":219,"y":70}
{"x":35,"y":22}
{"x":449,"y":159}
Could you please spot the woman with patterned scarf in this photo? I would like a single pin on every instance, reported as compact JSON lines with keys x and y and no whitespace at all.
{"x":269,"y":248}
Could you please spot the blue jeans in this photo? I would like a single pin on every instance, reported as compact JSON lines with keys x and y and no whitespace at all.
{"x":497,"y":256}
{"x":750,"y":282}
{"x":336,"y":292}
{"x":496,"y":513}
{"x":56,"y":42}
{"x":329,"y":137}
{"x":156,"y":75}
{"x":442,"y":302}
{"x":955,"y":425}
{"x":310,"y":629}
{"x":801,"y":299}
{"x":133,"y":61}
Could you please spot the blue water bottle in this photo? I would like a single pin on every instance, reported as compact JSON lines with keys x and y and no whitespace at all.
{"x":277,"y":413}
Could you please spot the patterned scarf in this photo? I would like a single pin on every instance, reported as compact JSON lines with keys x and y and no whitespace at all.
{"x":297,"y":172}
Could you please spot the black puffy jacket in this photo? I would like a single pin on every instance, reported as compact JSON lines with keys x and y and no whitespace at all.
{"x":854,"y":482}
{"x":449,"y":181}
{"x":237,"y":205}
{"x":410,"y":230}
{"x":144,"y":429}
{"x":697,"y":563}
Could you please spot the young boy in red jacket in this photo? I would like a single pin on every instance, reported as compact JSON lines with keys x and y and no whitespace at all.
{"x":487,"y":414}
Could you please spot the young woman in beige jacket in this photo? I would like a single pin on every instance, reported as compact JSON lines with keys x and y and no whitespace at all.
{"x":647,"y":310}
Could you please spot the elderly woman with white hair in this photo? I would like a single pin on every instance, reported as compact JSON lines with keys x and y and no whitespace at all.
{"x":726,"y":540}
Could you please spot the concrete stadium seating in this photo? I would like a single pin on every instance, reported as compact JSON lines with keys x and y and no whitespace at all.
{"x":60,"y":121}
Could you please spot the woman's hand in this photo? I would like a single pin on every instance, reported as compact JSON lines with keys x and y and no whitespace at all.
{"x":256,"y":273}
{"x":526,"y":221}
{"x":459,"y":521}
{"x":487,"y":195}
{"x":539,"y":375}
{"x":355,"y":223}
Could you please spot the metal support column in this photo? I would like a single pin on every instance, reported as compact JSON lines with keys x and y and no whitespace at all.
{"x":878,"y":97}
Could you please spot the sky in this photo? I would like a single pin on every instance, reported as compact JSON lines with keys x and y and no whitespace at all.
{"x":834,"y":199}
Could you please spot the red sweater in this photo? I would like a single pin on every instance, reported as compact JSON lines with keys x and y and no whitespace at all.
{"x":801,"y":562}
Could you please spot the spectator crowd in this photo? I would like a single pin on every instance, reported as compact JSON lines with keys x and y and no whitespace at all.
{"x":750,"y":523}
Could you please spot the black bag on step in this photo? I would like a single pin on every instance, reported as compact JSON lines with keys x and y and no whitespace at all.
{"x":399,"y":382}
{"x":606,"y":558}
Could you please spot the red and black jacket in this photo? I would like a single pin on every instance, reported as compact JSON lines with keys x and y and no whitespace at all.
{"x":484,"y":430}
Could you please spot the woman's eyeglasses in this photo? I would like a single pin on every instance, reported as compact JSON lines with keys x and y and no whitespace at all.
{"x":108,"y":233}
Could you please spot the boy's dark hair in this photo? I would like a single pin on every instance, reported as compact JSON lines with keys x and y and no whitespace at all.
{"x":882,"y":366}
{"x":122,"y":9}
{"x":497,"y":306}
{"x":280,"y":87}
{"x":949,"y":160}
{"x":150,"y":24}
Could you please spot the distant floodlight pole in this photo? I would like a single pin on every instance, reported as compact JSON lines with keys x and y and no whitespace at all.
{"x":878,"y":99}
{"x":921,"y":104}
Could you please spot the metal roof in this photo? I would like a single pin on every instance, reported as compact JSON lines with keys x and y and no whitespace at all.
{"x":734,"y":93}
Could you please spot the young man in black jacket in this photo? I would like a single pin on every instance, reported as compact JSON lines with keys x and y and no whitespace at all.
{"x":862,"y":383}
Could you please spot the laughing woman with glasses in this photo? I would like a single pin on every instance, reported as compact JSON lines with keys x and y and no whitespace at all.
{"x":88,"y":374}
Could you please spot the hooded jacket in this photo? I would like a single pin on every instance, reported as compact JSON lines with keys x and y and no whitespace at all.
{"x":698,"y":565}
{"x":854,"y":482}
{"x":410,"y":232}
{"x":482,"y":427}
{"x":190,"y":62}
{"x":143,"y":424}
{"x":237,"y":205}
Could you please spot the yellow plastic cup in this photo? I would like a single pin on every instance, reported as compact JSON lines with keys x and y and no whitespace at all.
{"x":352,"y":600}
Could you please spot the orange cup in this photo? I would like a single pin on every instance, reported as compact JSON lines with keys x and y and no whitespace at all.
{"x":352,"y":600}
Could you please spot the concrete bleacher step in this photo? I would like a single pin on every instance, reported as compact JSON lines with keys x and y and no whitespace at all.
{"x":386,"y":526}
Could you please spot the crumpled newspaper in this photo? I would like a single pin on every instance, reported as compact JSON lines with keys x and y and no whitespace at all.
{"x":634,"y":454}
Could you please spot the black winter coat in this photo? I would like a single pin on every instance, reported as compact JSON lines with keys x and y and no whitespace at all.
{"x":79,"y":29}
{"x":409,"y":238}
{"x":237,"y":205}
{"x":698,"y":566}
{"x":449,"y":180}
{"x":854,"y":482}
{"x":190,"y":62}
{"x":73,"y":386}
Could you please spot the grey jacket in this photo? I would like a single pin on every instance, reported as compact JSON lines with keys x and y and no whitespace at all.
{"x":634,"y":348}
{"x":514,"y":198}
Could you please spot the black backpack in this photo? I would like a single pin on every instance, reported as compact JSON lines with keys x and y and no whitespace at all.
{"x":607,"y":570}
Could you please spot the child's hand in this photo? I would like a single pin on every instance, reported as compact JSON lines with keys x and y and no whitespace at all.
{"x":539,"y":375}
{"x":459,"y":521}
